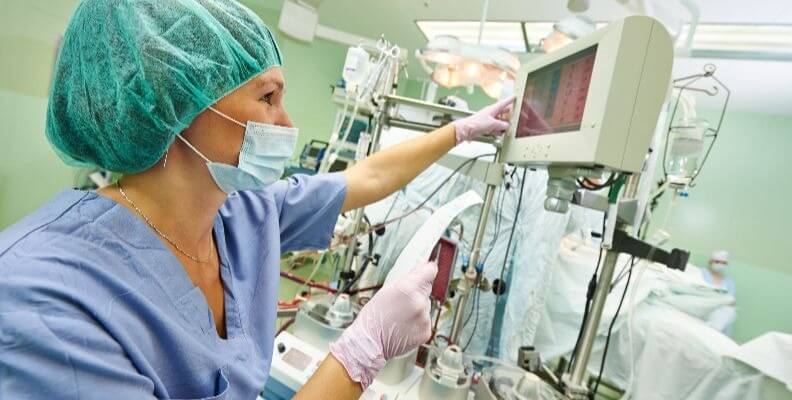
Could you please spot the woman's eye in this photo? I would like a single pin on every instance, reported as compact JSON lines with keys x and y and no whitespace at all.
{"x":267,"y":98}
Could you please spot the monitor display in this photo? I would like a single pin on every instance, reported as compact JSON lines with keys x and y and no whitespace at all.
{"x":555,"y":96}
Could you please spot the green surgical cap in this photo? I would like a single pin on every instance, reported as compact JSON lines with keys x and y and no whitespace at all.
{"x":132,"y":74}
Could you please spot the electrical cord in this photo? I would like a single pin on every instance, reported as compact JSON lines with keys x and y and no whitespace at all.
{"x":589,"y":297}
{"x":498,"y":219}
{"x":477,"y":301}
{"x":610,"y":328}
{"x":587,"y":184}
{"x":514,"y":225}
{"x":472,"y":305}
{"x":432,"y":194}
{"x":499,"y":202}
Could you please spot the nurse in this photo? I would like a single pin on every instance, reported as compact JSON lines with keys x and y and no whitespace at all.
{"x":164,"y":285}
{"x":722,"y":318}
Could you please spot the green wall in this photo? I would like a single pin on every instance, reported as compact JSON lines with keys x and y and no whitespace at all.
{"x":30,"y":173}
{"x":738,"y":205}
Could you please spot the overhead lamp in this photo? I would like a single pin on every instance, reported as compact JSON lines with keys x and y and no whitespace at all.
{"x":453,"y":63}
{"x":740,"y":41}
{"x":578,"y":5}
{"x":566,"y":31}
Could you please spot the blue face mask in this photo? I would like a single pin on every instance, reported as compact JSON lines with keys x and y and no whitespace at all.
{"x":265,"y":150}
{"x":719,"y":268}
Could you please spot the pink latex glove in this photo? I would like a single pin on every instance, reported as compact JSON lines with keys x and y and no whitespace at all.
{"x":395,"y":321}
{"x":492,"y":119}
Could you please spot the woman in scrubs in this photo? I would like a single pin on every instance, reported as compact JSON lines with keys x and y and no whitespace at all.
{"x":164,"y":285}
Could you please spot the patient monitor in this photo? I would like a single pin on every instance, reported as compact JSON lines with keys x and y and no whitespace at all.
{"x":592,"y":105}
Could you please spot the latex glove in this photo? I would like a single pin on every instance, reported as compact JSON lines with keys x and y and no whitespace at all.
{"x":492,"y":119}
{"x":395,"y":321}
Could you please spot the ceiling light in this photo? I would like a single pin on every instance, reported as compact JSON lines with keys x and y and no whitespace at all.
{"x":566,"y":31}
{"x":578,"y":5}
{"x":506,"y":35}
{"x":762,"y":41}
{"x":452,"y":63}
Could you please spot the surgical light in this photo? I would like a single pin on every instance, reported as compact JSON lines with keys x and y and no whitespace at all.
{"x":452,"y":62}
{"x":578,"y":5}
{"x":567,"y":31}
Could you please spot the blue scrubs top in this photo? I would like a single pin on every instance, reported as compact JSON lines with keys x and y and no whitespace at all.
{"x":727,"y":283}
{"x":94,"y":306}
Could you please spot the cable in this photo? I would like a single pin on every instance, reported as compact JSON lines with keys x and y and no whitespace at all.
{"x":587,"y":184}
{"x":514,"y":225}
{"x":477,"y":301}
{"x":434,"y":192}
{"x":610,"y":328}
{"x":498,"y":219}
{"x":313,"y":272}
{"x":473,"y":304}
{"x":439,"y":308}
{"x":589,"y":297}
{"x":354,"y":280}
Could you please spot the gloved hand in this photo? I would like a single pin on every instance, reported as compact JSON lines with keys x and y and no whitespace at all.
{"x":395,"y":321}
{"x":490,"y":119}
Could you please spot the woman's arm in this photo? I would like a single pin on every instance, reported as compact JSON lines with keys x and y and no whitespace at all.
{"x":330,"y":382}
{"x":387,"y":171}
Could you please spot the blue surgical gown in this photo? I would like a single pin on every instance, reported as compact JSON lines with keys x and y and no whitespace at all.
{"x":94,"y":306}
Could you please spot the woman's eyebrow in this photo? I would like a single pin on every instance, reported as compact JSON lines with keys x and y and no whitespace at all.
{"x":266,"y":82}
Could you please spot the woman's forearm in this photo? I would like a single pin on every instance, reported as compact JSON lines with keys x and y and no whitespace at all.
{"x":331,"y":382}
{"x":387,"y":171}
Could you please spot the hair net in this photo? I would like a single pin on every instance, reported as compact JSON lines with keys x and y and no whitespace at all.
{"x":132,"y":74}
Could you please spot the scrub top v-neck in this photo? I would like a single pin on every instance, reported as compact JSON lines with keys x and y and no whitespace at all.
{"x":93,"y":305}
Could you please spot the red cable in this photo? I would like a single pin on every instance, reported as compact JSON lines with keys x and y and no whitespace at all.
{"x":302,"y":281}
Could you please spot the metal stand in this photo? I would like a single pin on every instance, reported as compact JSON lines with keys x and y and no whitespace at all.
{"x":347,"y":273}
{"x":621,"y":243}
{"x":382,"y":118}
{"x":575,"y":388}
{"x":465,"y":284}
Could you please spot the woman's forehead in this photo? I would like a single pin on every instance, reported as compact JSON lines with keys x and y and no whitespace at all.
{"x":272,"y":76}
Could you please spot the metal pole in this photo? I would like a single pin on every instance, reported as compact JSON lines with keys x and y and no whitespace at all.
{"x":581,"y":357}
{"x":349,"y":260}
{"x":464,"y":286}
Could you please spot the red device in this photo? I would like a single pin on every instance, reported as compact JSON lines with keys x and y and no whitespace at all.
{"x":444,"y":253}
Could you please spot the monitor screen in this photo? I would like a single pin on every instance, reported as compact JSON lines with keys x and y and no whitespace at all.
{"x":555,"y":96}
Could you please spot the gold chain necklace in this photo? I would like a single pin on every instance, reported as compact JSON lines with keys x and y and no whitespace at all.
{"x":159,"y":232}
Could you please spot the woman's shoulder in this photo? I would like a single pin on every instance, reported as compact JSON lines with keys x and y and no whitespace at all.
{"x":73,"y":248}
{"x":64,"y":225}
{"x":51,"y":212}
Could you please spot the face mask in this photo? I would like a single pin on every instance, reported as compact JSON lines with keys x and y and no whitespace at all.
{"x":719,"y":268}
{"x":265,"y":150}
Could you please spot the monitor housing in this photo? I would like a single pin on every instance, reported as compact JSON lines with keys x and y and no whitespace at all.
{"x":595,"y":102}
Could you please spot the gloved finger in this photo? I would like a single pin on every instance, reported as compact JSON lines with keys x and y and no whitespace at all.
{"x":500,"y":106}
{"x":498,"y":127}
{"x":506,"y":114}
{"x":422,"y":276}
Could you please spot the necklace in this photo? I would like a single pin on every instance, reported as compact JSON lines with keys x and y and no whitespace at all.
{"x":159,"y":232}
